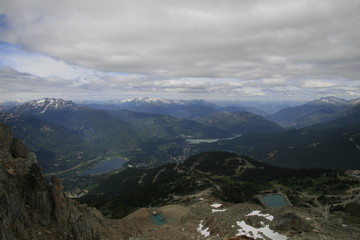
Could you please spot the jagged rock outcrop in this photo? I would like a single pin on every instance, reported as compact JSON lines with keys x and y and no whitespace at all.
{"x":31,"y":208}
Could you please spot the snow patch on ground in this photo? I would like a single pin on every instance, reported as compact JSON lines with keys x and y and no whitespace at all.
{"x":258,"y":233}
{"x":216,"y":205}
{"x":204,"y":232}
{"x":258,"y":213}
{"x":217,"y":210}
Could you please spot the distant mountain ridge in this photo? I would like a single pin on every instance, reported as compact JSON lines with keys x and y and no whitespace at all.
{"x":314,"y":112}
{"x":329,"y":100}
{"x":176,"y":108}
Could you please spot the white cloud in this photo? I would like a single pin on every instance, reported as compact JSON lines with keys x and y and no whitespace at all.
{"x":275,"y":81}
{"x":317,"y":84}
{"x":42,"y":66}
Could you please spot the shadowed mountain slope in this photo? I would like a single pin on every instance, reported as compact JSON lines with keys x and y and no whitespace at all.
{"x":240,"y":122}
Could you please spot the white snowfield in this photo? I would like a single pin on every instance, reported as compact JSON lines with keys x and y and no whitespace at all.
{"x":204,"y":232}
{"x":256,"y":233}
{"x":265,"y":230}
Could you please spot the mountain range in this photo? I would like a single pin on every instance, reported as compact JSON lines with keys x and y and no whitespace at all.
{"x":66,"y":135}
{"x":149,"y":137}
{"x":175,"y":108}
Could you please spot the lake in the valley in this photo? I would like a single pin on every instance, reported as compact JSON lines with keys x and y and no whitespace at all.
{"x":105,"y":166}
{"x":209,"y":140}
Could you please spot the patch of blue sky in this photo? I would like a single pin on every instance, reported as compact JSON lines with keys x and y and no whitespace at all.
{"x":8,"y":48}
{"x":12,"y":55}
{"x":10,"y":52}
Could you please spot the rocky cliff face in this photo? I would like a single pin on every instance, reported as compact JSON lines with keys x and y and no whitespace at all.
{"x":30,"y":208}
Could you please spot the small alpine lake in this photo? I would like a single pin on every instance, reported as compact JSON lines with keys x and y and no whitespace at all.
{"x":158,"y":219}
{"x":274,"y":200}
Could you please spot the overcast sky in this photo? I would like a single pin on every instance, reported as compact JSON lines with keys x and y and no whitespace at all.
{"x":196,"y":49}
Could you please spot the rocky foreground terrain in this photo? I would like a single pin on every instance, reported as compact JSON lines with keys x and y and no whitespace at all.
{"x":31,"y":208}
{"x":217,"y":221}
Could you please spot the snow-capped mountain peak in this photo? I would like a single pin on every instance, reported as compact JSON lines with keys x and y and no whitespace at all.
{"x":355,"y":101}
{"x":330,"y":100}
{"x":46,"y":104}
{"x":146,"y":100}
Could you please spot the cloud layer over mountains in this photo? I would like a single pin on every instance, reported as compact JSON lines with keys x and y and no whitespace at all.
{"x":274,"y":49}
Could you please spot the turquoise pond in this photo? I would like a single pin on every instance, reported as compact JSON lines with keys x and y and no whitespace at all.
{"x":275,"y":200}
{"x":105,"y":166}
{"x":158,"y":219}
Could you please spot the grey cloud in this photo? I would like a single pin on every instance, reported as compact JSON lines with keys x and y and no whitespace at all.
{"x":140,"y":37}
{"x":268,"y":46}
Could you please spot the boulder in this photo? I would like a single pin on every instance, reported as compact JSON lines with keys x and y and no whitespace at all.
{"x":18,"y":149}
{"x":290,"y":222}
